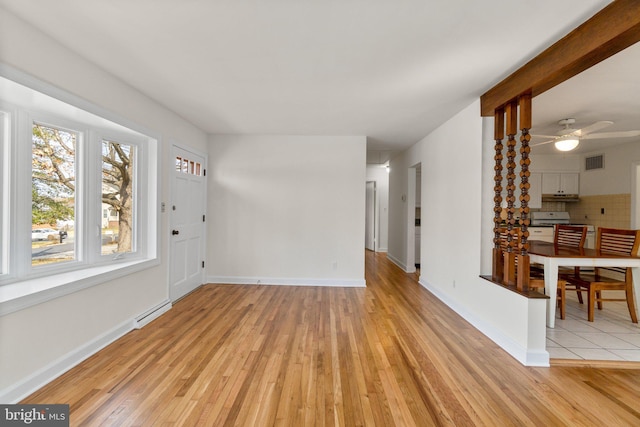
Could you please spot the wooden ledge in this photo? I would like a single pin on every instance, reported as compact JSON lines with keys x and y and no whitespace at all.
{"x":528,"y":294}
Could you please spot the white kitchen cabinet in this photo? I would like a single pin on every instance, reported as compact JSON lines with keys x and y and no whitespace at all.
{"x":541,"y":233}
{"x":535,"y":191}
{"x":561,"y":183}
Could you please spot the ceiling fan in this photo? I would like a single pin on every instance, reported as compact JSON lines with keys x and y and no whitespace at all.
{"x":568,"y":138}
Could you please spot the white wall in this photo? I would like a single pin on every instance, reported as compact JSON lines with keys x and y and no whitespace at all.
{"x":380,"y":175}
{"x":457,"y":201}
{"x":615,"y":178}
{"x":555,"y":162}
{"x":35,"y":343}
{"x":286,"y":209}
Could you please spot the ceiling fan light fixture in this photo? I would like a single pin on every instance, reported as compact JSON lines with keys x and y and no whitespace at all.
{"x":567,"y":143}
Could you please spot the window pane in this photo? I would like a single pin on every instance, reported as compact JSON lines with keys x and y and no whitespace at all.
{"x":53,"y":188}
{"x":118,"y":207}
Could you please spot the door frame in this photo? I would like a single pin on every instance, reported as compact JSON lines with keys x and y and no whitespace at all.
{"x":411,"y":218}
{"x":635,"y":197}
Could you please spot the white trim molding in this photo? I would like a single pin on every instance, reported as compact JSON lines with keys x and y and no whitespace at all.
{"x":285,"y":281}
{"x":400,"y":264}
{"x":58,"y":367}
{"x":40,"y":378}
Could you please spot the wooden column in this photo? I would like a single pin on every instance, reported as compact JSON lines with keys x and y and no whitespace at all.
{"x":498,"y":259}
{"x":523,"y":256}
{"x":509,"y":275}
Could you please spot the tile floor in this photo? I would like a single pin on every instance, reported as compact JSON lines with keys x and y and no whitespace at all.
{"x":612,"y":336}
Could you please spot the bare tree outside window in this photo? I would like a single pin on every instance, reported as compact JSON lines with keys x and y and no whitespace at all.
{"x":117,"y":196}
{"x":53,"y":185}
{"x":53,"y":194}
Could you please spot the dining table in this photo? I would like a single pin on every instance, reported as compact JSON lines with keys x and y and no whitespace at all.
{"x":552,"y":256}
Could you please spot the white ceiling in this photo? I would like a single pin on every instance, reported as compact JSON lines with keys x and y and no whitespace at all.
{"x":392,"y":70}
{"x":609,"y":90}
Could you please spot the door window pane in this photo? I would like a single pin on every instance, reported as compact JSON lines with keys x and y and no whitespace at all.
{"x":118,"y":201}
{"x":53,"y":190}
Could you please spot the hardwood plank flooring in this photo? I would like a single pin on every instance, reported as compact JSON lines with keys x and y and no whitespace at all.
{"x":390,"y":354}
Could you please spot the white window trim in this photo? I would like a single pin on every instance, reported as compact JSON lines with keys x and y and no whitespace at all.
{"x":20,"y":294}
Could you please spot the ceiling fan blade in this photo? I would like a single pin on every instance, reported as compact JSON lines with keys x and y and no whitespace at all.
{"x":607,"y":135}
{"x":535,"y":144}
{"x":592,"y":128}
{"x":544,"y":136}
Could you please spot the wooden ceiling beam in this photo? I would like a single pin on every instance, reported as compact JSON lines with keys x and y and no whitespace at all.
{"x":611,"y":30}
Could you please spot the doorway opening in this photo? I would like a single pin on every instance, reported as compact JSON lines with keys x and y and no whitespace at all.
{"x":414,"y":189}
{"x":370,"y":217}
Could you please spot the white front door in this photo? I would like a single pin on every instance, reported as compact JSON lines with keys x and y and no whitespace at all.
{"x":187,"y":224}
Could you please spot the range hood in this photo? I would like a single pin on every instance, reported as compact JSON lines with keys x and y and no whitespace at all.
{"x":560,"y":197}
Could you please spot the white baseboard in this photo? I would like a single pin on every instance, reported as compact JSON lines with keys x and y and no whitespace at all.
{"x":38,"y":379}
{"x":239,"y":280}
{"x":402,"y":265}
{"x":397,"y":262}
{"x":523,"y":355}
{"x":58,"y":367}
{"x":152,"y":314}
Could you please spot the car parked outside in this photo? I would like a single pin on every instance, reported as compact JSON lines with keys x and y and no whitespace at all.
{"x":44,"y":234}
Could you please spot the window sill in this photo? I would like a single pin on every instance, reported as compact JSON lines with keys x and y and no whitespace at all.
{"x":20,"y":295}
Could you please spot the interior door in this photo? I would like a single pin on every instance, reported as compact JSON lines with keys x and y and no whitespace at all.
{"x":370,"y":218}
{"x":187,"y":222}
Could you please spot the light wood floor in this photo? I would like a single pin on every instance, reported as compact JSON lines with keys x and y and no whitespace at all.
{"x":390,"y":354}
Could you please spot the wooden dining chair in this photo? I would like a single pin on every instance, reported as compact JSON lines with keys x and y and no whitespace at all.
{"x":572,"y":236}
{"x":610,"y":241}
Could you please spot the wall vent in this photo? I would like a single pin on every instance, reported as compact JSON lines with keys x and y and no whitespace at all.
{"x":594,"y":162}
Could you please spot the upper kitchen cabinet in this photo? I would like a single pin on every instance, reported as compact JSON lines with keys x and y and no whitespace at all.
{"x":561,"y":183}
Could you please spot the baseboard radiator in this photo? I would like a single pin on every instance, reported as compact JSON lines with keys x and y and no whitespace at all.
{"x":152,"y":314}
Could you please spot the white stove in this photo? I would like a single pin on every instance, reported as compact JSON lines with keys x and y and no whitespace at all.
{"x":550,"y":219}
{"x":541,"y":219}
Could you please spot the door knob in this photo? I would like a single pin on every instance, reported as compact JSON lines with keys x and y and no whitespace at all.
{"x":175,"y":232}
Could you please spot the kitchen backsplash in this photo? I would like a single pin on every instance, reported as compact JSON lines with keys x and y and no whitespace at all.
{"x":617,"y":210}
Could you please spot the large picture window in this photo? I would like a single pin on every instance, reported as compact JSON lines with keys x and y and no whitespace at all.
{"x":76,"y":192}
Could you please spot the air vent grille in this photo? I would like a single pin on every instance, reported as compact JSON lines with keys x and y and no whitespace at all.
{"x":594,"y":162}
